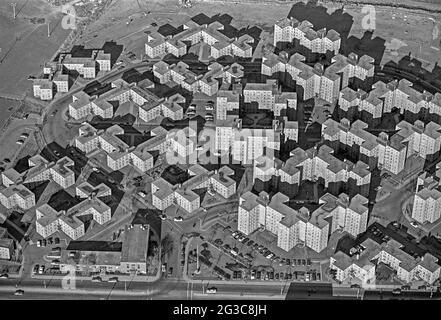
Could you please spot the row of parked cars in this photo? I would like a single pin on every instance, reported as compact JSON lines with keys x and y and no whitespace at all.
{"x":22,"y":139}
{"x":296,"y":275}
{"x":239,"y":236}
{"x":99,"y":279}
{"x":49,"y":241}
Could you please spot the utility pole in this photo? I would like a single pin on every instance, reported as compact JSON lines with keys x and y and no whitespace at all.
{"x":14,"y":5}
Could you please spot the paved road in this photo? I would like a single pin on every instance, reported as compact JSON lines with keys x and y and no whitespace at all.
{"x":165,"y":288}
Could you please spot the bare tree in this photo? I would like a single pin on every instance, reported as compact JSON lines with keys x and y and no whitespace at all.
{"x":166,"y":246}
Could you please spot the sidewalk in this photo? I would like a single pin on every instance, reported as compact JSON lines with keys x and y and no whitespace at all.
{"x":121,"y":278}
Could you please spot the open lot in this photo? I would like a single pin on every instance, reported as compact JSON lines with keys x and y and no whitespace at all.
{"x":25,"y":45}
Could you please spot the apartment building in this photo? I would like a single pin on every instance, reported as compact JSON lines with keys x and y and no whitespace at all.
{"x":427,"y":198}
{"x":7,"y":245}
{"x":222,"y":183}
{"x":162,"y":194}
{"x":193,"y":33}
{"x":357,"y":266}
{"x":382,"y":151}
{"x":43,"y":89}
{"x":165,"y":194}
{"x":121,"y":92}
{"x":227,"y":103}
{"x":318,"y":81}
{"x":17,"y":196}
{"x":424,"y":140}
{"x":171,"y":107}
{"x":119,"y":154}
{"x":85,"y":190}
{"x":302,"y":226}
{"x":40,"y":170}
{"x":87,"y":67}
{"x":50,"y":221}
{"x":207,"y":83}
{"x":246,"y":144}
{"x":290,"y":30}
{"x":363,"y":262}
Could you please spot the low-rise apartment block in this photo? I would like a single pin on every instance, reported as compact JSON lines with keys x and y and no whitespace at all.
{"x":50,"y":221}
{"x":362,"y":264}
{"x":193,"y":33}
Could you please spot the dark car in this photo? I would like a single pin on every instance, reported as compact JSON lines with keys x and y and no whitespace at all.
{"x":396,"y":291}
{"x":355,"y":286}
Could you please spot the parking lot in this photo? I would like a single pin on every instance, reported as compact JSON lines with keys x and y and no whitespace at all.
{"x":246,"y":259}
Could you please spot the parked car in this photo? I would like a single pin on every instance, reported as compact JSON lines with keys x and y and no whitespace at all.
{"x":405,"y":287}
{"x":396,"y":291}
{"x":41,"y":269}
{"x":211,"y":290}
{"x":178,"y":219}
{"x":19,"y":142}
{"x":355,"y":286}
{"x":4,"y":276}
{"x":19,"y":292}
{"x":113,"y":279}
{"x":414,"y":224}
{"x":24,"y":135}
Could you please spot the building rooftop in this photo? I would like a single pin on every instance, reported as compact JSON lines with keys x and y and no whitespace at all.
{"x":135,"y":244}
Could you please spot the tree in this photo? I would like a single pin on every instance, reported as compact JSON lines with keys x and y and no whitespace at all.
{"x":166,"y":246}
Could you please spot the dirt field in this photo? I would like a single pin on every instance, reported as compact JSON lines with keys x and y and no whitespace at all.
{"x":25,"y":45}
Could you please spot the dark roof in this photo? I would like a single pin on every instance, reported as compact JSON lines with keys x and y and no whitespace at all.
{"x":95,"y":246}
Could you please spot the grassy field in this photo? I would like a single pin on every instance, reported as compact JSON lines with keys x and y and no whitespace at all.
{"x":25,"y":45}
